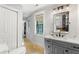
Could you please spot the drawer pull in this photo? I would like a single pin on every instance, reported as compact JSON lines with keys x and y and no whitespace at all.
{"x":75,"y":47}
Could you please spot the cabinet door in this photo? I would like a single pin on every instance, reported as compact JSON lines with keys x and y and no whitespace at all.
{"x":58,"y":49}
{"x":48,"y":46}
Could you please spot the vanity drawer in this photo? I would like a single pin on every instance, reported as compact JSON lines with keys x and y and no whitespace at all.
{"x":60,"y":43}
{"x":73,"y":46}
{"x":66,"y":44}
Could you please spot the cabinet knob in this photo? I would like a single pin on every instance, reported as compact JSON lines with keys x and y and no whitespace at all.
{"x":66,"y":50}
{"x":48,"y":46}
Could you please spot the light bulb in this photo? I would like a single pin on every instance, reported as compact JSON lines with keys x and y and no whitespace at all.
{"x":67,"y":6}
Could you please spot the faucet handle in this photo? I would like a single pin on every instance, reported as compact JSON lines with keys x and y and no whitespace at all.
{"x":62,"y":35}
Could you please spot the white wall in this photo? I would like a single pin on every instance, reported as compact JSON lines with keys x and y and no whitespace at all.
{"x":30,"y":28}
{"x":78,"y":20}
{"x":48,"y":22}
{"x":47,"y":28}
{"x":73,"y":20}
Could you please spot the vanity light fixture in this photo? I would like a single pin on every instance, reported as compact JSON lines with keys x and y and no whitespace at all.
{"x":67,"y":6}
{"x":60,"y":8}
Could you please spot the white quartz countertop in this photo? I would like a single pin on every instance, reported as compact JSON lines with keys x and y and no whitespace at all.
{"x":65,"y":39}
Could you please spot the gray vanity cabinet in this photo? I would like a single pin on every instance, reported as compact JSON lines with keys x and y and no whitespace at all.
{"x":59,"y":47}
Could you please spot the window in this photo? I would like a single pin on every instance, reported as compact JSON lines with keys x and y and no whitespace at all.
{"x":39,"y":24}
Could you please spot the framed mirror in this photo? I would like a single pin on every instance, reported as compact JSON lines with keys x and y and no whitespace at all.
{"x":61,"y":22}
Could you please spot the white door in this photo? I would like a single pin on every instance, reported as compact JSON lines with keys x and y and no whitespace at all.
{"x":8,"y":27}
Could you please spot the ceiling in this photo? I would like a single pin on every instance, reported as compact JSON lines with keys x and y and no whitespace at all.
{"x":28,"y":9}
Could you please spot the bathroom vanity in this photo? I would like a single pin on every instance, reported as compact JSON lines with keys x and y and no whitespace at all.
{"x":61,"y":45}
{"x":58,"y":43}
